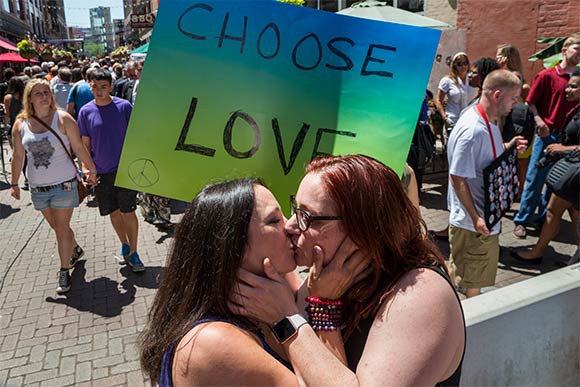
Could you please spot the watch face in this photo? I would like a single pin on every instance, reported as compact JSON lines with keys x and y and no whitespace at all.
{"x":283,"y":330}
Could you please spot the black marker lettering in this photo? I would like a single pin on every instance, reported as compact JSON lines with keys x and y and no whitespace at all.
{"x":320,"y":132}
{"x":208,"y":8}
{"x":370,"y":58}
{"x":311,"y":35}
{"x":223,"y":35}
{"x":274,"y":28}
{"x":228,"y":136}
{"x":295,"y":147}
{"x":347,"y":61}
{"x":195,"y":148}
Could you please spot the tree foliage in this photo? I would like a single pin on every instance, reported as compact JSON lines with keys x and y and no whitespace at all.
{"x":295,"y":2}
{"x":94,"y":49}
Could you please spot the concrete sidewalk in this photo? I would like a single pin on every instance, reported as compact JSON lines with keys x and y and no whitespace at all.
{"x":88,"y":336}
{"x":434,"y":210}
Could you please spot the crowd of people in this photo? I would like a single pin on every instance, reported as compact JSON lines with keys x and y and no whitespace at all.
{"x":230,"y":297}
{"x":369,"y":289}
{"x":54,"y":112}
{"x":487,"y":109}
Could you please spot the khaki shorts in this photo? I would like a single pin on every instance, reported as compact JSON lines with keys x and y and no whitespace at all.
{"x":473,"y":258}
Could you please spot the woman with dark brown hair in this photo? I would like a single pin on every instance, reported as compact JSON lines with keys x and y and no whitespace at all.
{"x":192,"y":337}
{"x":401,"y":325}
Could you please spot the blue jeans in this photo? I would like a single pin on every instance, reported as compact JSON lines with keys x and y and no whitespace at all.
{"x":534,"y":196}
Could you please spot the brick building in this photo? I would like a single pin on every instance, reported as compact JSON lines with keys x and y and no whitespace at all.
{"x":482,"y":25}
{"x":519,"y":22}
{"x":54,"y":19}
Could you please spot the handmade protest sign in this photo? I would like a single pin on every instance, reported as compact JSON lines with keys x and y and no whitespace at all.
{"x":259,"y":88}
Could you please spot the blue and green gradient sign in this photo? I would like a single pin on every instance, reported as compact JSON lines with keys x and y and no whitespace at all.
{"x":258,"y":88}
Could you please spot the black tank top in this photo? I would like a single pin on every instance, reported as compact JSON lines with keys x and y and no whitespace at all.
{"x":355,"y":344}
{"x":15,"y":108}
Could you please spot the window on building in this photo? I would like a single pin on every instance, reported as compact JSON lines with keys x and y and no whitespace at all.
{"x":6,"y":6}
{"x":412,"y":5}
{"x":337,"y":5}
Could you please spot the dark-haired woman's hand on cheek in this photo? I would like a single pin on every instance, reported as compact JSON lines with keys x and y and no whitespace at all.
{"x":348,"y":266}
{"x":267,"y":299}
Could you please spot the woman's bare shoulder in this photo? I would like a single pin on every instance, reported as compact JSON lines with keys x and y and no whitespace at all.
{"x":424,"y":311}
{"x":212,"y":338}
{"x":236,"y":353}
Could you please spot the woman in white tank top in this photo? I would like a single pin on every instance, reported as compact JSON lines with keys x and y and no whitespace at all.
{"x":51,"y":173}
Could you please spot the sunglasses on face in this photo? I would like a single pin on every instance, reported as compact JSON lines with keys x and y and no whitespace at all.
{"x":462,"y":63}
{"x":303,"y":217}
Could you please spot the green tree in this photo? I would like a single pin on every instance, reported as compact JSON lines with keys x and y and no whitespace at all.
{"x":295,"y":2}
{"x":94,"y":49}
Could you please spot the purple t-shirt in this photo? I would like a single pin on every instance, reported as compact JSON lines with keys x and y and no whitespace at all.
{"x":106,"y":126}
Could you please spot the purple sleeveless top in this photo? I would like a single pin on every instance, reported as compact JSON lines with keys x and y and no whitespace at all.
{"x":165,"y":379}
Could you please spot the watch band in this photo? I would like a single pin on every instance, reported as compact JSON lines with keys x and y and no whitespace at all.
{"x":288,"y":327}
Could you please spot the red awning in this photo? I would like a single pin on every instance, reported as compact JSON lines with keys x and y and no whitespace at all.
{"x":15,"y":58}
{"x":5,"y":43}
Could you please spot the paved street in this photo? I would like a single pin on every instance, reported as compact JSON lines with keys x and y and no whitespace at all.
{"x":88,"y":336}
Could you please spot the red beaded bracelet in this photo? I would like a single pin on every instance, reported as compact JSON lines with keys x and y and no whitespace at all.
{"x":323,"y":301}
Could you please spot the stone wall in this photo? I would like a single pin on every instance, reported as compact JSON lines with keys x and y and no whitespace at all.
{"x":451,"y":41}
{"x":519,"y":22}
{"x":443,"y":10}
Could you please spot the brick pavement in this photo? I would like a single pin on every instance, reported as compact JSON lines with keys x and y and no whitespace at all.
{"x":87,"y":337}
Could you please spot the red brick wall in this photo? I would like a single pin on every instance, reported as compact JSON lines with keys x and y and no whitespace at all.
{"x":520,"y":22}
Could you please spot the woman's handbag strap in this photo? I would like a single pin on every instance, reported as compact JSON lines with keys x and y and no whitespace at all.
{"x":57,"y":136}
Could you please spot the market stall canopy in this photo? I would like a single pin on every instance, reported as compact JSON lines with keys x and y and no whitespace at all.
{"x":8,"y":45}
{"x":379,"y":10}
{"x":14,"y":58}
{"x":141,"y":50}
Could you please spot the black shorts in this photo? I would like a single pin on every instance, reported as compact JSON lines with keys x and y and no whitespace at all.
{"x":111,"y":198}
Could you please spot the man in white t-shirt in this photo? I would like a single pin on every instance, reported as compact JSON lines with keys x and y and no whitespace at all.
{"x":474,"y":248}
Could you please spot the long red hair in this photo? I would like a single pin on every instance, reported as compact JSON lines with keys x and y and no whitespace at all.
{"x":381,"y":220}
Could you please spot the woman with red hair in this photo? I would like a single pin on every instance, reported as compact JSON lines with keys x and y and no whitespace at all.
{"x":402,"y":324}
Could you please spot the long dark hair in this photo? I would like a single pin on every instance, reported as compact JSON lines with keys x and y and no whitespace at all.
{"x":202,"y":267}
{"x":381,"y":220}
{"x":16,"y":87}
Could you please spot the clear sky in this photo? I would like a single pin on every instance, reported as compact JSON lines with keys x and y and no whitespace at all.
{"x":77,"y":11}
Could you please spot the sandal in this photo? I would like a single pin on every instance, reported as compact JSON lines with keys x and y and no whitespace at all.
{"x":520,"y":231}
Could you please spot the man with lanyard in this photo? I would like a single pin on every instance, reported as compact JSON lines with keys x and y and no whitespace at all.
{"x":547,"y":101}
{"x":474,"y":143}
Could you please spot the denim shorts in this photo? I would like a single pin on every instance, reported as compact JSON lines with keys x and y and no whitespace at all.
{"x":56,"y":198}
